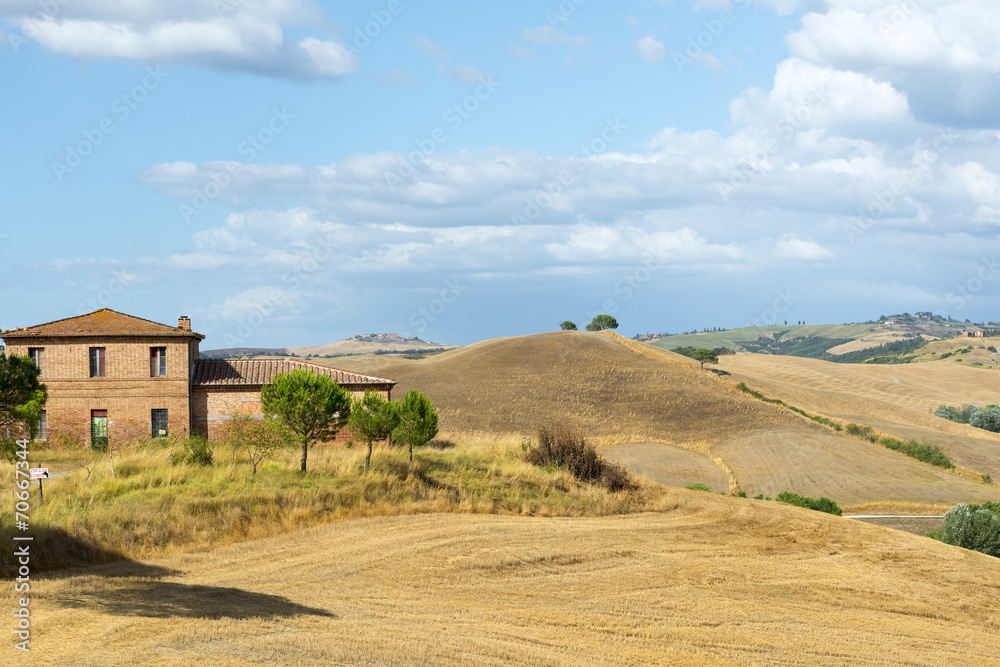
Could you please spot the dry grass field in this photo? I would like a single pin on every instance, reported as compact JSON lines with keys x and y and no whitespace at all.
{"x":608,"y":388}
{"x":979,"y":355}
{"x":647,"y":402}
{"x":848,"y":470}
{"x":669,"y":465}
{"x":710,"y":580}
{"x":896,"y":399}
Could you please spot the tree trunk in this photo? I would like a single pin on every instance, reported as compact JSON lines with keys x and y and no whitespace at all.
{"x":411,"y":453}
{"x":305,"y":453}
{"x":368,"y":457}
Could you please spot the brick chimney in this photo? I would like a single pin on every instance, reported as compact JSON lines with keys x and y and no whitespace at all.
{"x":184,"y":322}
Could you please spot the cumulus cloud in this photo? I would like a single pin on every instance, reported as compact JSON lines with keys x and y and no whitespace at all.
{"x":941,"y":54}
{"x":227,"y":34}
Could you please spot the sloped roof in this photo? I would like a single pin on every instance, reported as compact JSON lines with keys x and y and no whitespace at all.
{"x":258,"y":372}
{"x":103,"y":322}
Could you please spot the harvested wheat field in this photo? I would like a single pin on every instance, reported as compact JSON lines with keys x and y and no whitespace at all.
{"x":610,"y":388}
{"x":669,"y":465}
{"x":713,"y":581}
{"x":849,"y":470}
{"x":896,"y":399}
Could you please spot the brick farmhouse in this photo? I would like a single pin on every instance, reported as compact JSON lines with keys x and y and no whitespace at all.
{"x":109,"y":373}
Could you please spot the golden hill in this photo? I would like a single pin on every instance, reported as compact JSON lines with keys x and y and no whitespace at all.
{"x":664,"y":418}
{"x":711,"y":581}
{"x":897,"y":399}
{"x":608,"y":388}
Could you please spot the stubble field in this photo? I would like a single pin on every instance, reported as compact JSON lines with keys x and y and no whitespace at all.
{"x":708,"y":581}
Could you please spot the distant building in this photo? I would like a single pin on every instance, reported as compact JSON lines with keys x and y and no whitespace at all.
{"x":109,"y":373}
{"x":975,"y":333}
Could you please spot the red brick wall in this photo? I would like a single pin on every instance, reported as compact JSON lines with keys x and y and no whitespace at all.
{"x":212,"y":406}
{"x":127,"y":392}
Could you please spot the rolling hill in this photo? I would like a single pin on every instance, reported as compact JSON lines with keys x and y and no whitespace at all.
{"x":601,"y":384}
{"x":815,"y":340}
{"x":657,"y":413}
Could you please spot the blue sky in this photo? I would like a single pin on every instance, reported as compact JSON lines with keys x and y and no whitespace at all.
{"x":291,"y":173}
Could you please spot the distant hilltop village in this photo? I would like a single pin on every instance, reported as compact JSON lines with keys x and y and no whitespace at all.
{"x":382,"y":336}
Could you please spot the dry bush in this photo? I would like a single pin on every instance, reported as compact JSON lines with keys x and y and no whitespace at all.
{"x":562,"y":448}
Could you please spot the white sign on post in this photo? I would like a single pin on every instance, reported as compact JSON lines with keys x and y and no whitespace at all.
{"x":38,"y":473}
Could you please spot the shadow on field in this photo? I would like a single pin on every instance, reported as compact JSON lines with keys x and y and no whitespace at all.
{"x":160,"y":599}
{"x":55,"y":552}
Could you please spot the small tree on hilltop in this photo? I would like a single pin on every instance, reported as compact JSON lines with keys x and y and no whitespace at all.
{"x":418,"y":421}
{"x":704,"y":355}
{"x":567,"y":326}
{"x":602,"y":322}
{"x":311,"y":406}
{"x":373,"y":419}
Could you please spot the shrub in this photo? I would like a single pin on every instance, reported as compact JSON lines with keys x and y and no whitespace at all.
{"x":821,"y":505}
{"x":864,"y":432}
{"x":562,"y":448}
{"x":987,"y":419}
{"x":194,"y":450}
{"x":697,"y":486}
{"x":919,"y":450}
{"x":973,"y":527}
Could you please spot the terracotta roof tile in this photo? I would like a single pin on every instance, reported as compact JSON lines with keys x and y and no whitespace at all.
{"x":258,"y":372}
{"x":103,"y":322}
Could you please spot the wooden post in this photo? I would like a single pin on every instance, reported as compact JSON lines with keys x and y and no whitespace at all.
{"x":40,"y":496}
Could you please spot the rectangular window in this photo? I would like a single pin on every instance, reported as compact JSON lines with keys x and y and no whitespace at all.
{"x":97,"y":362}
{"x":99,"y":429}
{"x":159,"y":419}
{"x":157,"y":362}
{"x":43,"y":427}
{"x":37,"y":355}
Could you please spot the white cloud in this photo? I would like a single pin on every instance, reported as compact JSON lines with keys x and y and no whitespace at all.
{"x":941,"y":53}
{"x":814,"y":96}
{"x":649,"y":49}
{"x":222,"y":35}
{"x":444,"y":62}
{"x":797,"y":249}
